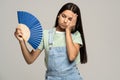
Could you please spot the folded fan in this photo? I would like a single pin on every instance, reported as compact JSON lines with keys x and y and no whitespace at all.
{"x":31,"y":28}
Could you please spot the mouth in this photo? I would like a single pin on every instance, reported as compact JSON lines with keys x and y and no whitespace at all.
{"x":63,"y":25}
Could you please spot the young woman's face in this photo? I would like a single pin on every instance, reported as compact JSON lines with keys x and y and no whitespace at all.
{"x":65,"y":18}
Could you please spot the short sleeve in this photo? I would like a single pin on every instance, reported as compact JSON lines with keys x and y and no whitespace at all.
{"x":44,"y":41}
{"x":77,"y":38}
{"x":41,"y":45}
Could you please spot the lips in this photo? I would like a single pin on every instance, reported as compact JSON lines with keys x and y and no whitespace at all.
{"x":63,"y":25}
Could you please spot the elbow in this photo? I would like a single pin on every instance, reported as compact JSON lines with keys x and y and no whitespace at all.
{"x":72,"y":58}
{"x":29,"y":62}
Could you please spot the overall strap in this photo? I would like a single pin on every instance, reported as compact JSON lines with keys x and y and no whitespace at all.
{"x":50,"y":37}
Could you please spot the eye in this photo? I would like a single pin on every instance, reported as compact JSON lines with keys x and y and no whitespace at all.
{"x":70,"y":19}
{"x":63,"y":15}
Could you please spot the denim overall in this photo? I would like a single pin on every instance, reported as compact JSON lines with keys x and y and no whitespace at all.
{"x":59,"y":67}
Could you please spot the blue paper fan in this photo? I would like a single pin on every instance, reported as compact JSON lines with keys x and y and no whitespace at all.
{"x":36,"y":31}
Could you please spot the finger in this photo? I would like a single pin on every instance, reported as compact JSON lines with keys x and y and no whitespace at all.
{"x":75,"y":15}
{"x":19,"y":36}
{"x":18,"y":33}
{"x":18,"y":29}
{"x":68,"y":23}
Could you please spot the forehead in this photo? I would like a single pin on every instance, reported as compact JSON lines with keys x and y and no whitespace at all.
{"x":68,"y":13}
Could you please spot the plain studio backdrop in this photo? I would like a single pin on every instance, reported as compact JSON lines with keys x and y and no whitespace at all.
{"x":101,"y":23}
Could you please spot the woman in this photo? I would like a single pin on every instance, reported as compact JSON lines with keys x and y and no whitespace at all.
{"x":64,"y":45}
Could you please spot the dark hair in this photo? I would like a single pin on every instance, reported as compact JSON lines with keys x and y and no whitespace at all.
{"x":74,"y":8}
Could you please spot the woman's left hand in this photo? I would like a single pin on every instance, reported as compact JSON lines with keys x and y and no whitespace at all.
{"x":72,"y":23}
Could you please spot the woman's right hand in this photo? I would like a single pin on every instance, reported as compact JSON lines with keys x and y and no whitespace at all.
{"x":18,"y":34}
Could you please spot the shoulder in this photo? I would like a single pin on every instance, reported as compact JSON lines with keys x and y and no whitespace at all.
{"x":77,"y":37}
{"x":76,"y":34}
{"x":45,"y":32}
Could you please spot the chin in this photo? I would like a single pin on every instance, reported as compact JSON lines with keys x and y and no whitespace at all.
{"x":62,"y":28}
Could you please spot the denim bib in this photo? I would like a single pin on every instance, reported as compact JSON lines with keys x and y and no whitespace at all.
{"x":59,"y":66}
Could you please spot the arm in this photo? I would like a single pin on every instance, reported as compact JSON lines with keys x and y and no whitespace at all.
{"x":28,"y":56}
{"x":72,"y":48}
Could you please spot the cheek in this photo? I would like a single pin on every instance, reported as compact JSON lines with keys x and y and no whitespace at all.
{"x":60,"y":20}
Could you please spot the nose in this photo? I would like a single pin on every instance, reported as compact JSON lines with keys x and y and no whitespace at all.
{"x":66,"y":20}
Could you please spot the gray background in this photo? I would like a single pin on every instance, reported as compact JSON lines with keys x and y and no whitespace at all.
{"x":101,"y":21}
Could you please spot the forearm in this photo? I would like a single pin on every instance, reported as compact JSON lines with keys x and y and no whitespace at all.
{"x":71,"y":49}
{"x":28,"y":56}
{"x":25,"y":52}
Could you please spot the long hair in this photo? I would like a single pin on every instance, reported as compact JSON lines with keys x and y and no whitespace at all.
{"x":74,"y":8}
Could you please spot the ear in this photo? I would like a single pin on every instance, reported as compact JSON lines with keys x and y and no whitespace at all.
{"x":58,"y":16}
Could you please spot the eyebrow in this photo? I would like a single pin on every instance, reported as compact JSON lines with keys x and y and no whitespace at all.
{"x":66,"y":15}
